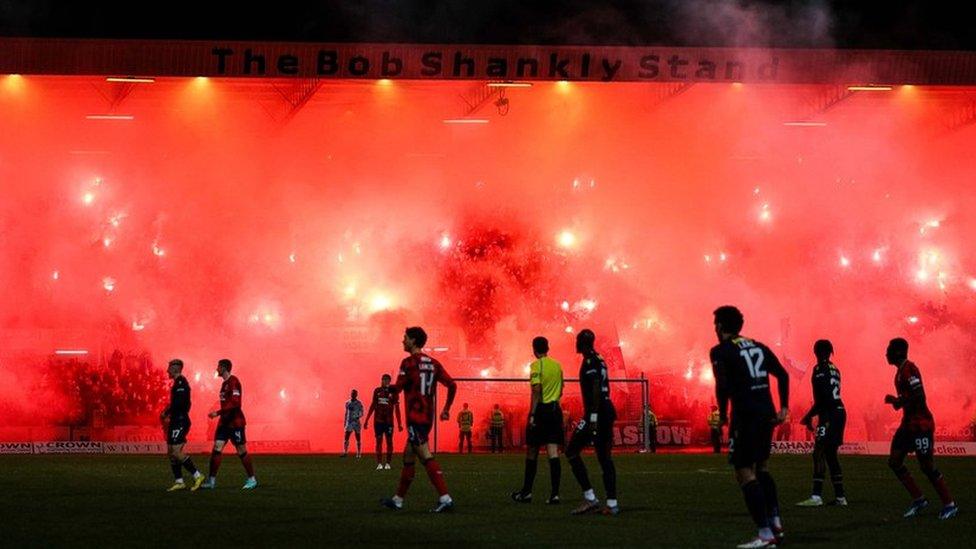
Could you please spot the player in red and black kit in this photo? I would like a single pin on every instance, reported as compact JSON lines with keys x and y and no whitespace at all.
{"x":915,"y":434}
{"x":418,"y":379}
{"x":230,"y":427}
{"x":742,"y":367}
{"x":176,"y":425}
{"x":386,"y":404}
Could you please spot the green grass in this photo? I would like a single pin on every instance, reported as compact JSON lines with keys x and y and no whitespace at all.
{"x":667,"y":500}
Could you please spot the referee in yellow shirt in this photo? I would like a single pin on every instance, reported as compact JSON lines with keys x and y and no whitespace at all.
{"x":545,"y":421}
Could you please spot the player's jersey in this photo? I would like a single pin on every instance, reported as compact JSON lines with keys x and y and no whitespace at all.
{"x":826,"y":390}
{"x":231,"y":414}
{"x":911,"y":396}
{"x":742,"y":367}
{"x":354,"y":411}
{"x":179,"y":400}
{"x":384,"y":403}
{"x":418,"y":379}
{"x":593,"y":378}
{"x":497,"y":419}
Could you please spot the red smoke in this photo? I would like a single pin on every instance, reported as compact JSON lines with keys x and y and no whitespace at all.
{"x":205,"y":228}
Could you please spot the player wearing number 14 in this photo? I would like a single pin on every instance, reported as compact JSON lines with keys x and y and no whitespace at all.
{"x":418,"y":379}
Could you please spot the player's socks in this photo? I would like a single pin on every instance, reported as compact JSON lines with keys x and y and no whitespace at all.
{"x":818,"y":482}
{"x":215,"y":459}
{"x":579,"y":471}
{"x":436,"y":476}
{"x":555,"y":474}
{"x":756,"y":503}
{"x":387,"y":466}
{"x":406,"y":477}
{"x":769,"y":493}
{"x":908,"y":482}
{"x":177,"y":469}
{"x":189,"y":466}
{"x":938,"y":481}
{"x":838,"y":482}
{"x":248,"y":466}
{"x":379,"y":466}
{"x":531,"y":465}
{"x":589,"y":495}
{"x":609,"y":478}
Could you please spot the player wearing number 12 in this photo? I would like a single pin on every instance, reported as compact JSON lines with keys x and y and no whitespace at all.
{"x":418,"y":379}
{"x":742,"y":368}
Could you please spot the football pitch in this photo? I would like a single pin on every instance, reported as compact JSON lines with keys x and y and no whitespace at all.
{"x":666,"y":500}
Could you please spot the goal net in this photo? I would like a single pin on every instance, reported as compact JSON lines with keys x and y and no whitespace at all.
{"x":512,"y":395}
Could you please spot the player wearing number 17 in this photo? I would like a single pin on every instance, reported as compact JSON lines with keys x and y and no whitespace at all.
{"x":418,"y":379}
{"x":742,"y":368}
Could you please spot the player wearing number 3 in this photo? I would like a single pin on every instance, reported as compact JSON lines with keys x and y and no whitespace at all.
{"x":916,"y":432}
{"x":418,"y":379}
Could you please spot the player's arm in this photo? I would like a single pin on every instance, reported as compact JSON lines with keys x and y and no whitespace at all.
{"x":396,"y":411}
{"x":369,"y":413}
{"x":402,"y":378}
{"x":776,"y":369}
{"x":721,"y":386}
{"x":446,"y":380}
{"x":815,"y":408}
{"x":914,"y":398}
{"x":535,"y":382}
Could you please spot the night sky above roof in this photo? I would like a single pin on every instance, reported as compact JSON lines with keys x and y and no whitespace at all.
{"x":799,"y":24}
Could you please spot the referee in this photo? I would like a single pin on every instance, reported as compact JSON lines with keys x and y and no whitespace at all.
{"x":545,"y":421}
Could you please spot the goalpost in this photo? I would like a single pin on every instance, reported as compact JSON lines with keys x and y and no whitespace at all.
{"x":630,"y":397}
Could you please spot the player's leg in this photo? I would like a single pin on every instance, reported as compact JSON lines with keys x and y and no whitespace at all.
{"x":172,"y":451}
{"x":819,"y":473}
{"x":389,"y":445}
{"x":555,"y":472}
{"x":345,"y":442}
{"x":378,"y":433}
{"x":436,"y":476}
{"x":836,"y":474}
{"x":771,"y":496}
{"x":216,"y":456}
{"x":359,"y":443}
{"x":927,"y":463}
{"x":240,"y":444}
{"x":744,"y":453}
{"x":582,"y":437}
{"x":901,"y":445}
{"x":604,"y":451}
{"x":524,"y":495}
{"x":406,"y":474}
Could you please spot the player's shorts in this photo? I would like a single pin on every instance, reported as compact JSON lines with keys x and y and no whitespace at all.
{"x":750,"y":442}
{"x":354,"y":427}
{"x":176,"y":431}
{"x":233,"y":434}
{"x":913,"y":439}
{"x":382,"y":428}
{"x":417,"y":434}
{"x":830,"y":430}
{"x":548,"y":427}
{"x":601,"y":440}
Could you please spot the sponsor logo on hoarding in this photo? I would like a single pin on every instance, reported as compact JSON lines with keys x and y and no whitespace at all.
{"x":16,"y":448}
{"x":68,"y":447}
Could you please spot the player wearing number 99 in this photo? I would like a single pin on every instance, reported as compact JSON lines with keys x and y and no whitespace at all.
{"x":418,"y":379}
{"x":742,"y":367}
{"x":916,"y":432}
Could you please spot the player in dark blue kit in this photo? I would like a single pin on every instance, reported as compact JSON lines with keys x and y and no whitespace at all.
{"x":596,"y":427}
{"x":831,"y":419}
{"x":176,"y":424}
{"x":742,"y":368}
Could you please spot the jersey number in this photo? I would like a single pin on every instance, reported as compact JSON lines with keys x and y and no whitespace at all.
{"x":426,"y":382}
{"x":754,"y":359}
{"x":836,"y":383}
